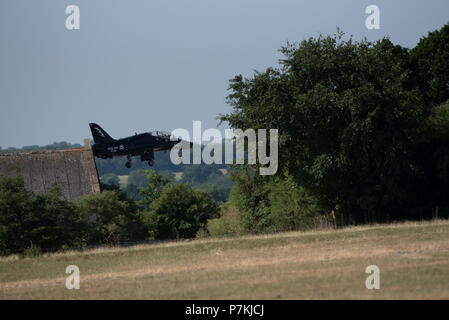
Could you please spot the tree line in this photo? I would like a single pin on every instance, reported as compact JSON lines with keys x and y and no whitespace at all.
{"x":207,"y":178}
{"x":53,"y":146}
{"x":50,"y":223}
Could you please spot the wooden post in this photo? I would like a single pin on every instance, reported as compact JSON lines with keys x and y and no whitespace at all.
{"x":335,"y":219}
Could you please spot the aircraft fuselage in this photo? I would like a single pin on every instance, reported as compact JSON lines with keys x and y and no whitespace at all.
{"x":143,"y":145}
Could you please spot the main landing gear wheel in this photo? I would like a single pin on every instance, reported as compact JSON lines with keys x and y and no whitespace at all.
{"x":128,"y":163}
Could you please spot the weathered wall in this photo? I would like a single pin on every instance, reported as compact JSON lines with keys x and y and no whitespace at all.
{"x":73,"y":170}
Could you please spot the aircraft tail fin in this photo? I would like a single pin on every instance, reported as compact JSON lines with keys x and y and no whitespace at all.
{"x":99,"y":135}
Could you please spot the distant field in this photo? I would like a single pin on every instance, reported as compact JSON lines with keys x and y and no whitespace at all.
{"x":123,"y":180}
{"x":413,"y":259}
{"x":178,"y":175}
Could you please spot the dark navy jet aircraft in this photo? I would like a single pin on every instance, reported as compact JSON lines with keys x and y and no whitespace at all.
{"x":143,"y":145}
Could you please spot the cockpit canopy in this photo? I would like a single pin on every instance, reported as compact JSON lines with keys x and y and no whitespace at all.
{"x":161,"y":134}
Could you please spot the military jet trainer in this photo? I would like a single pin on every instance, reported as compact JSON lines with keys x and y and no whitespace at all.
{"x":143,"y":145}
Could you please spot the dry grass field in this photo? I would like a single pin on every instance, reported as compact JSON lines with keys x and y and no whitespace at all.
{"x":413,"y":259}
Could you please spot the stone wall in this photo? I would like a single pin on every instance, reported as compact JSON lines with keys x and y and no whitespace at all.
{"x":73,"y":170}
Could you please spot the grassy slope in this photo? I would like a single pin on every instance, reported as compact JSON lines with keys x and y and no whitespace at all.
{"x":413,"y":259}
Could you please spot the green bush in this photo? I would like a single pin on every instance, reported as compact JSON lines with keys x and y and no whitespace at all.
{"x":228,"y":224}
{"x":180,"y":212}
{"x":16,"y":206}
{"x":48,"y":221}
{"x":271,"y":204}
{"x":291,"y":206}
{"x":111,"y":219}
{"x":32,"y":251}
{"x":55,"y":223}
{"x":152,"y":189}
{"x":250,"y":196}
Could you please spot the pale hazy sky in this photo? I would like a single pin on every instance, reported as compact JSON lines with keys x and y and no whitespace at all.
{"x":139,"y":65}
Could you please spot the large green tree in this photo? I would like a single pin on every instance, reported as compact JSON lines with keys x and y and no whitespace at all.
{"x":349,"y":115}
